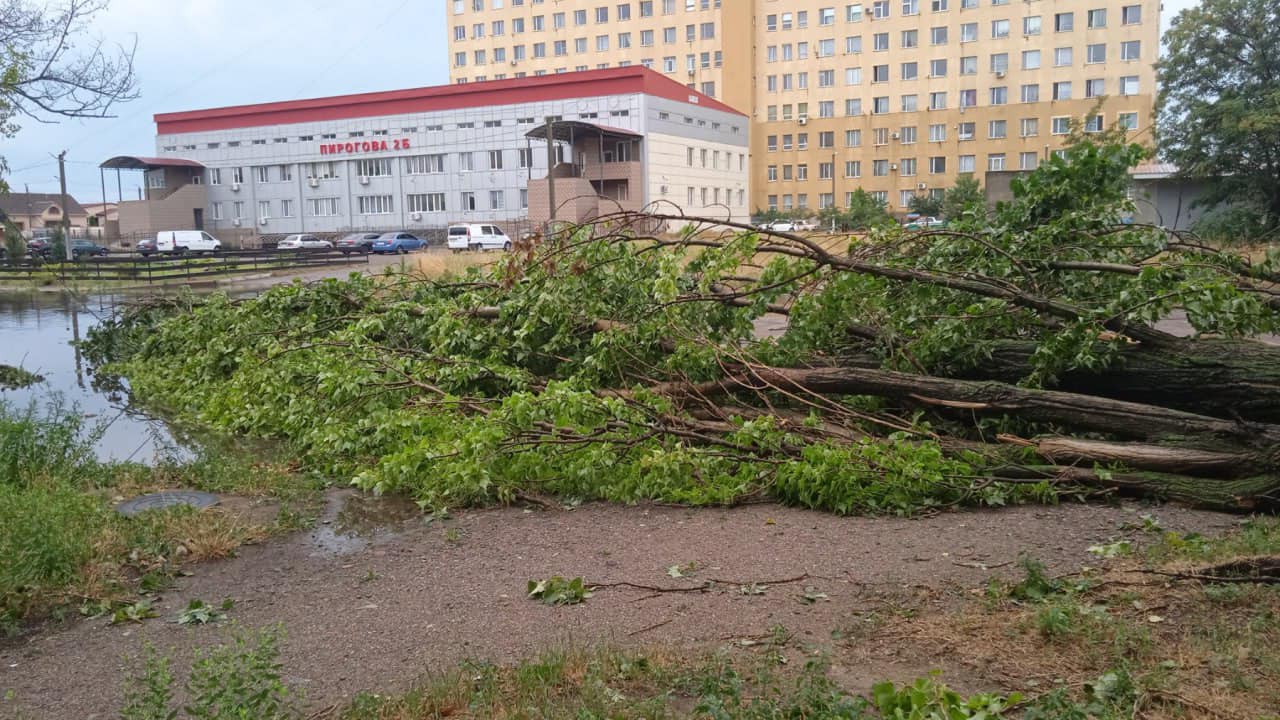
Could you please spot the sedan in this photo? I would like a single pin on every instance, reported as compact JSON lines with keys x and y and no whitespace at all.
{"x":86,"y":248}
{"x":356,"y":242}
{"x":397,"y":242}
{"x":304,"y":242}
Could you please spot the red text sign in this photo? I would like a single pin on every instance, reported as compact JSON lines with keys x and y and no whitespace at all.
{"x":364,"y":146}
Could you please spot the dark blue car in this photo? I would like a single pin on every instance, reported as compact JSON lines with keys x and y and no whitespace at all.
{"x":397,"y":242}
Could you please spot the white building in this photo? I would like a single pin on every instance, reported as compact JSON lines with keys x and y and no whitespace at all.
{"x":423,"y":158}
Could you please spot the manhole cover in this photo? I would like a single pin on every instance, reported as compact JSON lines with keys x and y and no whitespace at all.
{"x":168,"y":498}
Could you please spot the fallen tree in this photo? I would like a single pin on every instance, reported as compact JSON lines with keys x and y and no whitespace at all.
{"x":1001,"y":360}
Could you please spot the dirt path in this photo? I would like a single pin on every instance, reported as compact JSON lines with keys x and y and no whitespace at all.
{"x":374,"y":615}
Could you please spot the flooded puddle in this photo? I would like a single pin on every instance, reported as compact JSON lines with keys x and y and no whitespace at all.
{"x":352,"y":521}
{"x":37,"y":331}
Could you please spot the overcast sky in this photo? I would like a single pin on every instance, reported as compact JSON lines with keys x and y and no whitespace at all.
{"x":208,"y":53}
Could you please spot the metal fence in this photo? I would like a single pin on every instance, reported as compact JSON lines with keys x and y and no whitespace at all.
{"x":161,"y":268}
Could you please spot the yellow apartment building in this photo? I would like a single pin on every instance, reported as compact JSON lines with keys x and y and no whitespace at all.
{"x":896,"y":97}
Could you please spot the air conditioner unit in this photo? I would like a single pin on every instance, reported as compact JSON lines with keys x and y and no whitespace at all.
{"x":235,"y":187}
{"x":803,"y":120}
{"x":236,"y":222}
{"x":1000,"y":73}
{"x":922,"y":186}
{"x":894,"y":136}
{"x":690,"y":73}
{"x":313,"y":182}
{"x":262,"y":221}
{"x":415,"y":215}
{"x":513,"y":63}
{"x":893,"y":166}
{"x":364,"y":179}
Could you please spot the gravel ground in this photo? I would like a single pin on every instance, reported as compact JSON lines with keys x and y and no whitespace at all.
{"x":376,"y":612}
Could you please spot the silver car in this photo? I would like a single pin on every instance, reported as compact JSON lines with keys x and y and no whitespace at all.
{"x":304,"y":242}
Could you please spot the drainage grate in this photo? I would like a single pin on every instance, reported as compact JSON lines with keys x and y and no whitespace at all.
{"x":168,"y":498}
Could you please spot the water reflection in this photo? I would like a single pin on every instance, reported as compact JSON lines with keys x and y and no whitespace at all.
{"x":37,"y":333}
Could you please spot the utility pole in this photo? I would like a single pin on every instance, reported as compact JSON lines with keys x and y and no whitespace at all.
{"x":551,"y":180}
{"x":66,"y":217}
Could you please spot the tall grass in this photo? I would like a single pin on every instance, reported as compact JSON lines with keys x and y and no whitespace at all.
{"x":40,"y":443}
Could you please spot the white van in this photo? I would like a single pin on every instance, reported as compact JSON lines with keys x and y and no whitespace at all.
{"x":477,"y":236}
{"x":180,"y":241}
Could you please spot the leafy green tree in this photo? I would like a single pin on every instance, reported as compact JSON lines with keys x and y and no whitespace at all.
{"x":926,"y":204}
{"x":965,"y":196}
{"x":863,"y":212}
{"x":44,"y":74}
{"x":1219,"y":102}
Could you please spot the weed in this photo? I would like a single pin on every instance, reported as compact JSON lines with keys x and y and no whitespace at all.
{"x":927,"y":699}
{"x":558,"y":591}
{"x":1036,"y":586}
{"x":134,"y":613}
{"x":149,"y":696}
{"x":198,"y":612}
{"x":452,"y":535}
{"x":1054,"y":621}
{"x":726,"y":695}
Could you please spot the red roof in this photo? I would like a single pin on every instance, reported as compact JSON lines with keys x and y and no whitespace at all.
{"x":587,"y":83}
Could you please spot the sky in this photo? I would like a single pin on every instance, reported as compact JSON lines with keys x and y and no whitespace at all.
{"x":195,"y":54}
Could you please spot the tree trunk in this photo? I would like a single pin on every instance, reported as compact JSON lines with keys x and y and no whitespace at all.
{"x":1222,"y":378}
{"x":1248,"y":494}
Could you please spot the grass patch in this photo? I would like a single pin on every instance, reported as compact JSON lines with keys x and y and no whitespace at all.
{"x":63,"y":546}
{"x":13,"y":378}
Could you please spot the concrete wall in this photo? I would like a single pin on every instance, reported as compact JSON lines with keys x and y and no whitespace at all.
{"x":175,"y":211}
{"x":1167,"y":202}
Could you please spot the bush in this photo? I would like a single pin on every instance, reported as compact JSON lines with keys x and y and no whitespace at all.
{"x":1234,"y":224}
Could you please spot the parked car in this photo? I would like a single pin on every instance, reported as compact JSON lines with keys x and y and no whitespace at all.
{"x":397,"y":242}
{"x":303,"y":242}
{"x":780,"y":226}
{"x":927,"y":222}
{"x":805,"y":226}
{"x":39,"y":247}
{"x":477,"y":236}
{"x":87,"y":248}
{"x":356,"y":242}
{"x":147,"y":247}
{"x":182,"y":241}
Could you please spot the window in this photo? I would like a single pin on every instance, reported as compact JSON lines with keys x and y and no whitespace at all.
{"x":1000,"y":63}
{"x":938,"y":36}
{"x":881,"y":136}
{"x":968,"y":32}
{"x":1062,"y":90}
{"x":707,"y":31}
{"x":1093,"y":124}
{"x":1131,"y":14}
{"x":237,"y":175}
{"x":1095,"y":53}
{"x":937,"y":100}
{"x":907,"y":166}
{"x":1097,"y":18}
{"x":969,"y":65}
{"x":1061,"y":56}
{"x":852,"y":138}
{"x":322,"y":207}
{"x":965,"y":164}
{"x":853,"y":44}
{"x":264,"y":209}
{"x":907,"y":135}
{"x":852,"y":168}
{"x":1095,"y":88}
{"x":1129,"y":85}
{"x":1031,"y":25}
{"x":772,"y":173}
{"x":215,"y":176}
{"x":1031,"y":93}
{"x":380,"y":167}
{"x":322,"y":171}
{"x":910,"y":7}
{"x":880,"y":9}
{"x":1030,"y":59}
{"x":999,"y":29}
{"x":1060,"y":125}
{"x":286,"y":208}
{"x":602,"y":15}
{"x":826,"y":108}
{"x":853,"y":106}
{"x":827,"y":78}
{"x":1130,"y":50}
{"x":424,"y":164}
{"x":879,"y":73}
{"x":880,"y":42}
{"x":938,"y":68}
{"x":1028,"y":160}
{"x":910,"y":39}
{"x":826,"y":170}
{"x":466,"y":161}
{"x":374,"y":204}
{"x":646,"y":8}
{"x":938,"y":5}
{"x":1064,"y":22}
{"x":997,"y":129}
{"x":853,"y":76}
{"x":495,"y":159}
{"x":968,"y":98}
{"x":937,"y":132}
{"x":880,"y":105}
{"x":995,"y":161}
{"x":1127,"y":120}
{"x":827,"y":47}
{"x":624,"y":11}
{"x":937,"y":165}
{"x":215,"y":210}
{"x":827,"y":139}
{"x":262,"y":174}
{"x":999,"y":96}
{"x":468,"y":201}
{"x":909,"y":71}
{"x":910,"y":103}
{"x":497,"y":199}
{"x":1029,"y":127}
{"x":853,"y":13}
{"x":879,"y":168}
{"x":966,"y":130}
{"x":426,"y":202}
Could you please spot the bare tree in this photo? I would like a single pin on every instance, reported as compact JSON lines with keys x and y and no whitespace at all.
{"x":51,"y":66}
